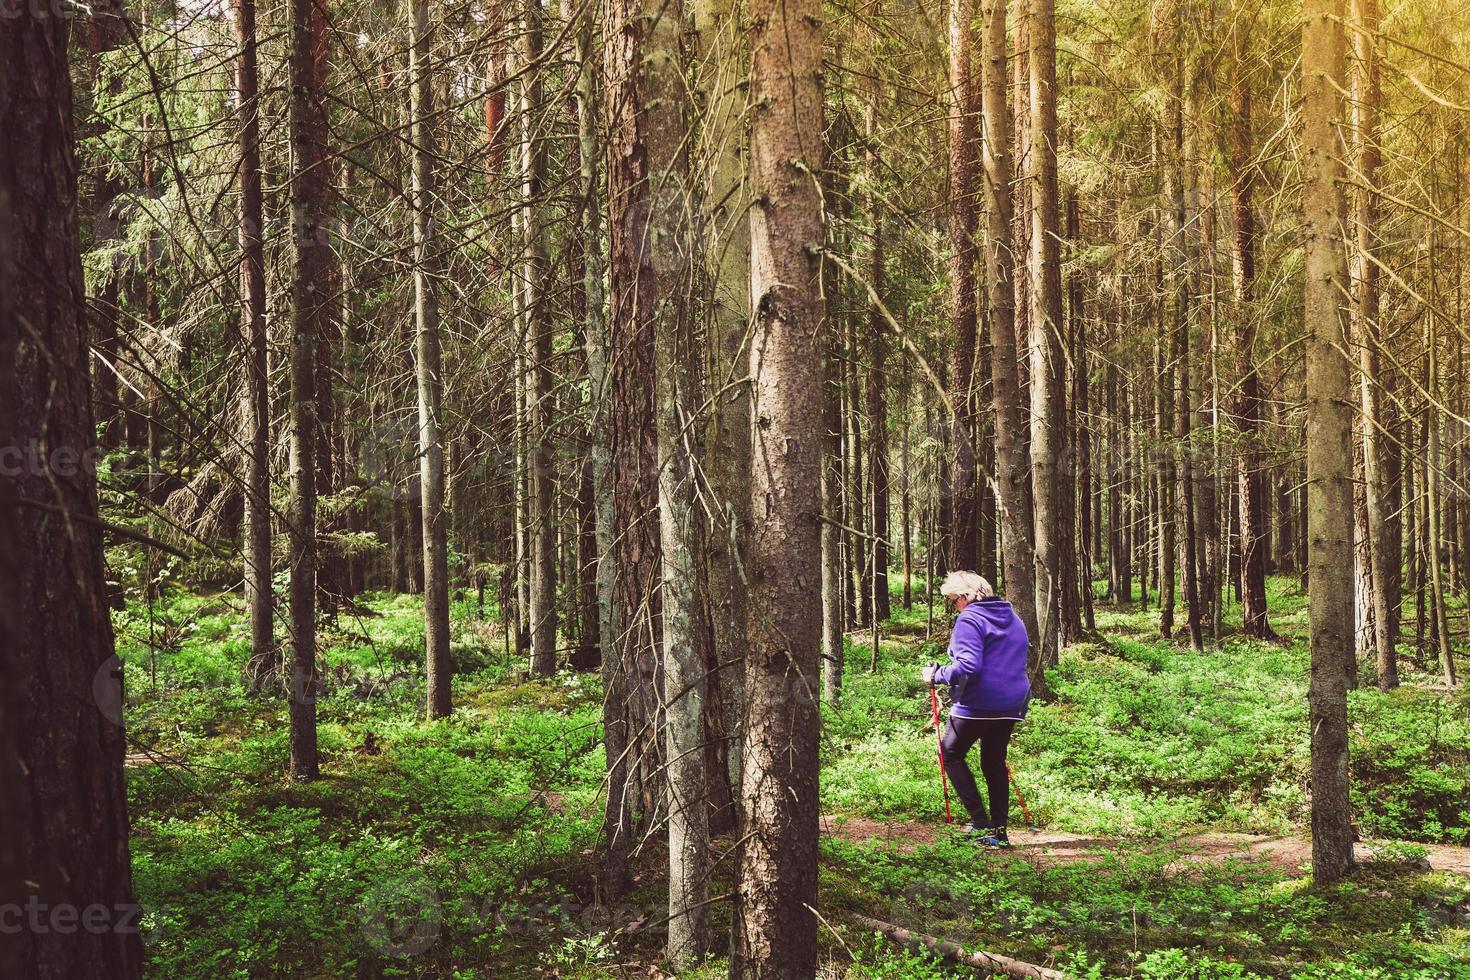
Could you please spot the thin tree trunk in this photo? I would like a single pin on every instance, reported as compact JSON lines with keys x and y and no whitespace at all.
{"x":1329,"y":455}
{"x":679,"y":374}
{"x":540,"y":511}
{"x":727,"y":227}
{"x":255,"y":399}
{"x":1250,"y":470}
{"x":617,"y":813}
{"x":309,"y":309}
{"x":874,"y":395}
{"x":1383,"y":546}
{"x":634,"y":442}
{"x":428,"y":368}
{"x":963,"y":249}
{"x":1005,"y":385}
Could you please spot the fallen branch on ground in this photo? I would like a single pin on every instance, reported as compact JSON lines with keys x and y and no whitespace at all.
{"x":957,"y":954}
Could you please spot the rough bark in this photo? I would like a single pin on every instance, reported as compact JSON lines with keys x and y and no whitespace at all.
{"x":428,"y":369}
{"x":875,"y":402}
{"x":964,"y":99}
{"x":1382,"y":520}
{"x":65,"y":809}
{"x":617,"y":812}
{"x":1250,"y":466}
{"x":1010,"y":420}
{"x":1047,"y":352}
{"x":541,"y":529}
{"x":726,"y":227}
{"x":775,"y":929}
{"x":633,"y":438}
{"x":1329,"y":426}
{"x":255,"y":396}
{"x":310,"y":308}
{"x":679,"y":374}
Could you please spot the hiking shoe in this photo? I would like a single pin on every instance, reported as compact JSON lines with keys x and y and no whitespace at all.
{"x":985,"y":836}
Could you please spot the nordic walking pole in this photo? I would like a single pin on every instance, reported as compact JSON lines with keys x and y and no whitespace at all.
{"x":939,"y":736}
{"x":1025,"y":810}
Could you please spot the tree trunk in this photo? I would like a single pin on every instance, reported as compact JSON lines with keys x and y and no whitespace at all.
{"x":1010,"y":420}
{"x":428,"y":369}
{"x":311,"y":253}
{"x":617,"y":812}
{"x":541,"y":609}
{"x":775,"y":929}
{"x":107,"y":31}
{"x":1250,"y":469}
{"x":963,"y":223}
{"x":1329,"y":426}
{"x":727,"y":231}
{"x":1047,"y":353}
{"x":255,"y":398}
{"x":678,"y":369}
{"x":1382,"y":542}
{"x":633,"y":438}
{"x":61,"y":758}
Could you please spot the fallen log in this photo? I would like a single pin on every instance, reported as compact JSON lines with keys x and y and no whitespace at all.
{"x":958,"y":954}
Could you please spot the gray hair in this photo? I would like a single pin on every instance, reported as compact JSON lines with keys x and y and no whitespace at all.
{"x":967,"y":584}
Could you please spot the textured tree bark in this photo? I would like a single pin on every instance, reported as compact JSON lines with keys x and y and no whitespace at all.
{"x":833,"y":570}
{"x":255,"y":397}
{"x":679,"y":374}
{"x":1250,"y":467}
{"x":617,"y":812}
{"x":857,"y":543}
{"x":428,"y":369}
{"x":1081,"y":564}
{"x":1329,"y":426}
{"x":1047,"y":354}
{"x":1167,"y":469}
{"x":727,"y":235}
{"x":775,"y":928}
{"x":1382,"y":541}
{"x":541,"y":608}
{"x":833,"y":652}
{"x":964,"y":108}
{"x":1436,"y":541}
{"x":1010,"y":420}
{"x":1183,"y":365}
{"x":61,"y":734}
{"x":634,"y":443}
{"x":311,"y":257}
{"x":106,"y":32}
{"x":875,"y":402}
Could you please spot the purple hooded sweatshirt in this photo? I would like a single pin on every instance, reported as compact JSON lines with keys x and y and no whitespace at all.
{"x":987,"y":669}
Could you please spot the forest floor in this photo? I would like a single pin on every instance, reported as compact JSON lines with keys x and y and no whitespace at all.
{"x":1169,"y":792}
{"x":1291,"y":853}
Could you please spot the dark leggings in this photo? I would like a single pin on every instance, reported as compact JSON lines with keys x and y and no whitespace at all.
{"x":993,"y":736}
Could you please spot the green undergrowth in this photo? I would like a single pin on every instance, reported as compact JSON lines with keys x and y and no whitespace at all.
{"x":1139,"y":912}
{"x":463,"y":847}
{"x":1148,"y":739}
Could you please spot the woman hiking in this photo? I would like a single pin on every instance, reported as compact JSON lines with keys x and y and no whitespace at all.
{"x":990,"y":690}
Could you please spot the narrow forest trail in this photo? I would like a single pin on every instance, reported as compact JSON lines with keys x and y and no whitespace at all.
{"x":1288,"y":852}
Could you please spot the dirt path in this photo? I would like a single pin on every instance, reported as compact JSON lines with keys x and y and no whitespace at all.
{"x":1059,"y":847}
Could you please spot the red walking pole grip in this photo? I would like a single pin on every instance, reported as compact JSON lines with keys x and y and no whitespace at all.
{"x":939,"y":735}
